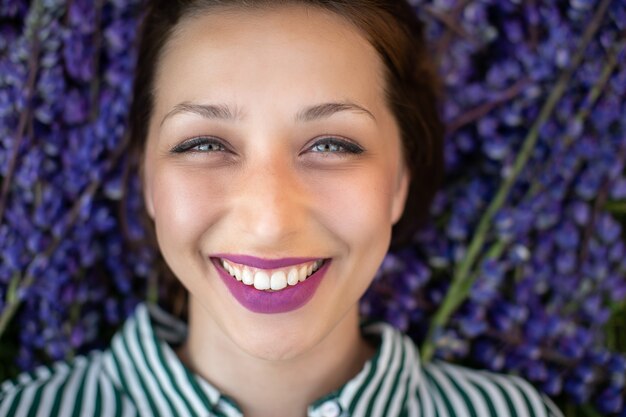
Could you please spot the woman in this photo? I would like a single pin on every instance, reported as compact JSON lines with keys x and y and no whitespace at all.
{"x":281,"y":143}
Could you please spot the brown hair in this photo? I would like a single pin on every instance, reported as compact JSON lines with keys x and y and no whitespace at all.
{"x":411,"y":84}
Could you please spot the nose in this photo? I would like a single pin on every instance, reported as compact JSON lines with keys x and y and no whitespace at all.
{"x":272,"y":204}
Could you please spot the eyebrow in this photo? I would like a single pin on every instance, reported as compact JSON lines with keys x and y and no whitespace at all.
{"x":308,"y":114}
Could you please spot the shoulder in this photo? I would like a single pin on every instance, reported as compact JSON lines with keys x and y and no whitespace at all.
{"x":467,"y":392}
{"x":81,"y":387}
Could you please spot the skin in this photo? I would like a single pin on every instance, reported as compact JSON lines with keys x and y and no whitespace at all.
{"x":273,"y":194}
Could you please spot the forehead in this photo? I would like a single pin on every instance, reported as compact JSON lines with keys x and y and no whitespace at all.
{"x":297,"y":54}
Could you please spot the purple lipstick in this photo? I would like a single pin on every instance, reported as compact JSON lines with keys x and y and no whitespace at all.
{"x":290,"y":297}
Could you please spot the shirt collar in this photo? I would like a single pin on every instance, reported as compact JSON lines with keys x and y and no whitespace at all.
{"x":144,"y":365}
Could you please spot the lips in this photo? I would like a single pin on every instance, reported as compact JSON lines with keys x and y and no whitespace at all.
{"x":270,"y":286}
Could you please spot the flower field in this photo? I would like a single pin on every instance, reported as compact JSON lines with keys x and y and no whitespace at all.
{"x":522,"y":268}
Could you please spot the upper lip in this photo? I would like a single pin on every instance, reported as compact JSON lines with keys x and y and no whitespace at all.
{"x":263,"y":263}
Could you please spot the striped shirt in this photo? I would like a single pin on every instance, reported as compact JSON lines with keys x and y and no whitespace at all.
{"x":140,"y":375}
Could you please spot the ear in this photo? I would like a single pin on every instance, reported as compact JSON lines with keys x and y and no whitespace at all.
{"x":400,"y":194}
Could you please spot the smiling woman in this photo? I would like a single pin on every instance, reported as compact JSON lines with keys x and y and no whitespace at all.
{"x":283,"y":145}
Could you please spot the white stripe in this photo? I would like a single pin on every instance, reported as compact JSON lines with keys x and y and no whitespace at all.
{"x":127,"y":371}
{"x":209,"y":390}
{"x":26,"y":400}
{"x":554,"y":410}
{"x":493,"y":393}
{"x":130,"y":334}
{"x":381,"y":369}
{"x":6,"y":386}
{"x":108,"y":397}
{"x":518,"y":402}
{"x":350,"y":389}
{"x":43,"y":372}
{"x":440,"y":406}
{"x":229,"y":410}
{"x":391,"y":372}
{"x":68,"y":400}
{"x":159,"y":370}
{"x":8,"y":396}
{"x":181,"y":381}
{"x":395,"y":406}
{"x":51,"y":390}
{"x":531,"y":394}
{"x":457,"y":402}
{"x":164,"y":321}
{"x":129,"y":410}
{"x":24,"y":378}
{"x":90,"y":388}
{"x":110,"y":368}
{"x":478,"y":402}
{"x":415,"y":400}
{"x":25,"y":404}
{"x":426,"y":395}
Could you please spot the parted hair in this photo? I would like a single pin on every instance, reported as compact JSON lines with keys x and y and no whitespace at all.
{"x":412,"y":92}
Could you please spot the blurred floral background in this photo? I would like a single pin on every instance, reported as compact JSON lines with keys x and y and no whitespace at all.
{"x":522,"y":269}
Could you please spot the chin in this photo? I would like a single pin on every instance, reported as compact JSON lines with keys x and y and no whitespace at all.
{"x":277,"y":345}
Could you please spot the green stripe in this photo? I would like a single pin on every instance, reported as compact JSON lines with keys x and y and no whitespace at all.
{"x":443,"y":395}
{"x":506,"y":397}
{"x":404,"y":405}
{"x":190,"y":382}
{"x":381,"y":382}
{"x":468,"y":402}
{"x":143,"y":389}
{"x":166,"y":366}
{"x":118,"y":366}
{"x":97,"y":407}
{"x":487,"y":398}
{"x":54,"y":410}
{"x":364,"y":384}
{"x":148,"y":371}
{"x":375,"y":368}
{"x":79,"y":395}
{"x":531,"y":409}
{"x":396,"y":380}
{"x":34,"y":407}
{"x":16,"y":403}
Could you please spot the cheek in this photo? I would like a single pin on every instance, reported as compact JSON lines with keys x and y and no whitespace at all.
{"x":356,"y":205}
{"x":186,"y":203}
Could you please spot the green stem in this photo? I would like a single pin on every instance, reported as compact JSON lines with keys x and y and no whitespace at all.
{"x":458,"y":287}
{"x":25,"y":116}
{"x":590,"y":411}
{"x":11,"y":304}
{"x":616,"y":207}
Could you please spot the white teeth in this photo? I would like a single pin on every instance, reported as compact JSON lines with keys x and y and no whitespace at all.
{"x":227,"y":266}
{"x":302,"y":273}
{"x":278,"y":281}
{"x":237,"y":273}
{"x":233,"y":270}
{"x":261,"y":281}
{"x":292,"y":277}
{"x":275,"y":280}
{"x":247,"y":277}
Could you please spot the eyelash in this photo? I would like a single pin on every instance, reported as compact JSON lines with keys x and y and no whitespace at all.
{"x":189,"y":145}
{"x":327,"y":142}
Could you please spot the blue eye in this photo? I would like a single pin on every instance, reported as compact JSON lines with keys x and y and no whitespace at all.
{"x":200,"y":144}
{"x":335,"y":145}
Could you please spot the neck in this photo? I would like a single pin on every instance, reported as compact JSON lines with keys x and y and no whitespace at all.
{"x":263,"y":387}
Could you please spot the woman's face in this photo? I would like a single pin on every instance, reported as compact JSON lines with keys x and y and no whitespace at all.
{"x":270,"y":140}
